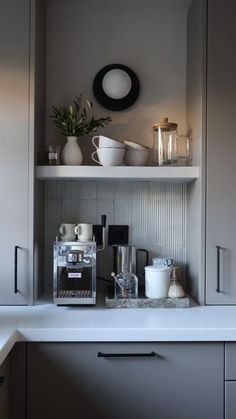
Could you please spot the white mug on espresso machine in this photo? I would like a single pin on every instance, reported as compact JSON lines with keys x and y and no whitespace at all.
{"x":67,"y":232}
{"x":84,"y":232}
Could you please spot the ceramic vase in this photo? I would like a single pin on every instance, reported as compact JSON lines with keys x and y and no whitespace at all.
{"x":71,"y":153}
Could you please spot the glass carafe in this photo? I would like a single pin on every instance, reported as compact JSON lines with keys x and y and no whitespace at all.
{"x":165,"y":143}
{"x":126,"y":285}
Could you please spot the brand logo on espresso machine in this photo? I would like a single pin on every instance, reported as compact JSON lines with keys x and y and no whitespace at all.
{"x":74,"y":274}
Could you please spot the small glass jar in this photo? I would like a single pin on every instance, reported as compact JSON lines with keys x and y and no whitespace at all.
{"x":53,"y":155}
{"x":165,"y":143}
{"x":126,"y":285}
{"x":184,"y":150}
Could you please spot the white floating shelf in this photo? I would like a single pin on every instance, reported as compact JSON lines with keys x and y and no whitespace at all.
{"x":186,"y":174}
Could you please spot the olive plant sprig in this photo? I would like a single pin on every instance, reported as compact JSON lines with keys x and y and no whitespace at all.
{"x":77,"y":119}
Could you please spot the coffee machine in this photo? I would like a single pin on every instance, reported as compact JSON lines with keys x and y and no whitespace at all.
{"x":74,"y":270}
{"x":74,"y":273}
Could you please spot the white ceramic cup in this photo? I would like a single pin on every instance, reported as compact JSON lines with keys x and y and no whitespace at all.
{"x":67,"y":232}
{"x":104,"y":142}
{"x":136,"y":157}
{"x":109,"y":156}
{"x":84,"y":232}
{"x":157,"y":281}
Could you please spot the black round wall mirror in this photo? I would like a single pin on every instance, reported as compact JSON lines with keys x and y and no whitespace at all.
{"x":116,"y":87}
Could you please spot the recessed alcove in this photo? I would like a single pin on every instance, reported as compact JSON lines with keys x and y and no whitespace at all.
{"x":160,"y":42}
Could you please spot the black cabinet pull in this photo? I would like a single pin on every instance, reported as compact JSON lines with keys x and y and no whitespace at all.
{"x":2,"y":379}
{"x":128,"y":355}
{"x":15,"y":271}
{"x":218,"y":249}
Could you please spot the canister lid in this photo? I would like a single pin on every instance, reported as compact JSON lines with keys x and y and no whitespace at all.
{"x":164,"y":125}
{"x":157,"y":268}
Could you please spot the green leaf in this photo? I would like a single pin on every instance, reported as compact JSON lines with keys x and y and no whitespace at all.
{"x":74,"y":121}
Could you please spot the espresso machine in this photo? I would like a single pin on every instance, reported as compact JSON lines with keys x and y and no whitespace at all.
{"x":74,"y":270}
{"x":74,"y":273}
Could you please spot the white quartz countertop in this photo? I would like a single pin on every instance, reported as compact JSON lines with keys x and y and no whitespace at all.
{"x":50,"y":323}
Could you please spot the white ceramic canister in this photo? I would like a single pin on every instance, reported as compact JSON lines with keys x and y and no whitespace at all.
{"x":157,"y":281}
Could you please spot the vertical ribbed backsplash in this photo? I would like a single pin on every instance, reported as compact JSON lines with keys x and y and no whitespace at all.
{"x":154,"y":211}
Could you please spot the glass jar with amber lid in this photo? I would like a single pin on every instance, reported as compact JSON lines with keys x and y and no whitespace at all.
{"x":165,"y":143}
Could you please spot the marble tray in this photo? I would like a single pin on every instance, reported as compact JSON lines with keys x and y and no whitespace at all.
{"x":148,"y":302}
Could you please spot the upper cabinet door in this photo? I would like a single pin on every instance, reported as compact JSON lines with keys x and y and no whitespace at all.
{"x":14,"y":138}
{"x":221,"y":154}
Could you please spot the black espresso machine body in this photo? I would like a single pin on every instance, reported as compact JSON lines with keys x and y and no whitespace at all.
{"x":74,"y":273}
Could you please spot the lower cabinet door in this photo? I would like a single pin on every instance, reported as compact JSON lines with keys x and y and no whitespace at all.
{"x":4,"y":390}
{"x":230,"y":399}
{"x":125,"y":381}
{"x":12,"y":384}
{"x":17,"y":381}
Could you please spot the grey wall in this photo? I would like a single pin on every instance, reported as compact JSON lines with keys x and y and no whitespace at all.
{"x":38,"y":90}
{"x":154,"y":211}
{"x":196,"y":105}
{"x":149,"y":36}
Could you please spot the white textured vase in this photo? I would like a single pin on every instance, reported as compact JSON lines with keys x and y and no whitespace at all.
{"x":71,"y":153}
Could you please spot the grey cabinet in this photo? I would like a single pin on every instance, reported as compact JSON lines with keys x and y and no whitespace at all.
{"x":221,"y":152}
{"x":14,"y":149}
{"x":230,"y":361}
{"x":230,"y":400}
{"x":125,"y":380}
{"x":230,"y":383}
{"x":12,"y":384}
{"x":4,"y":390}
{"x":17,"y":381}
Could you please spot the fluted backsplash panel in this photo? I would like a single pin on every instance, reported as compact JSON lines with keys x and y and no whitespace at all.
{"x":154,"y":211}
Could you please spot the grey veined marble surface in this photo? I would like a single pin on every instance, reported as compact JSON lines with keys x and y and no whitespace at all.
{"x":148,"y":302}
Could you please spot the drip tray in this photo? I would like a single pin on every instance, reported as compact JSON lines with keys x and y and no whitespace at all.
{"x":74,"y":294}
{"x":75,"y":297}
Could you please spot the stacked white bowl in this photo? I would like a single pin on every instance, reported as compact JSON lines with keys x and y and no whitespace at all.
{"x":135,"y":154}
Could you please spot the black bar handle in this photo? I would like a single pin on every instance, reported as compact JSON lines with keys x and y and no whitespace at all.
{"x":103,"y":220}
{"x":2,"y":379}
{"x":15,"y":270}
{"x":218,"y":249}
{"x":128,"y":355}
